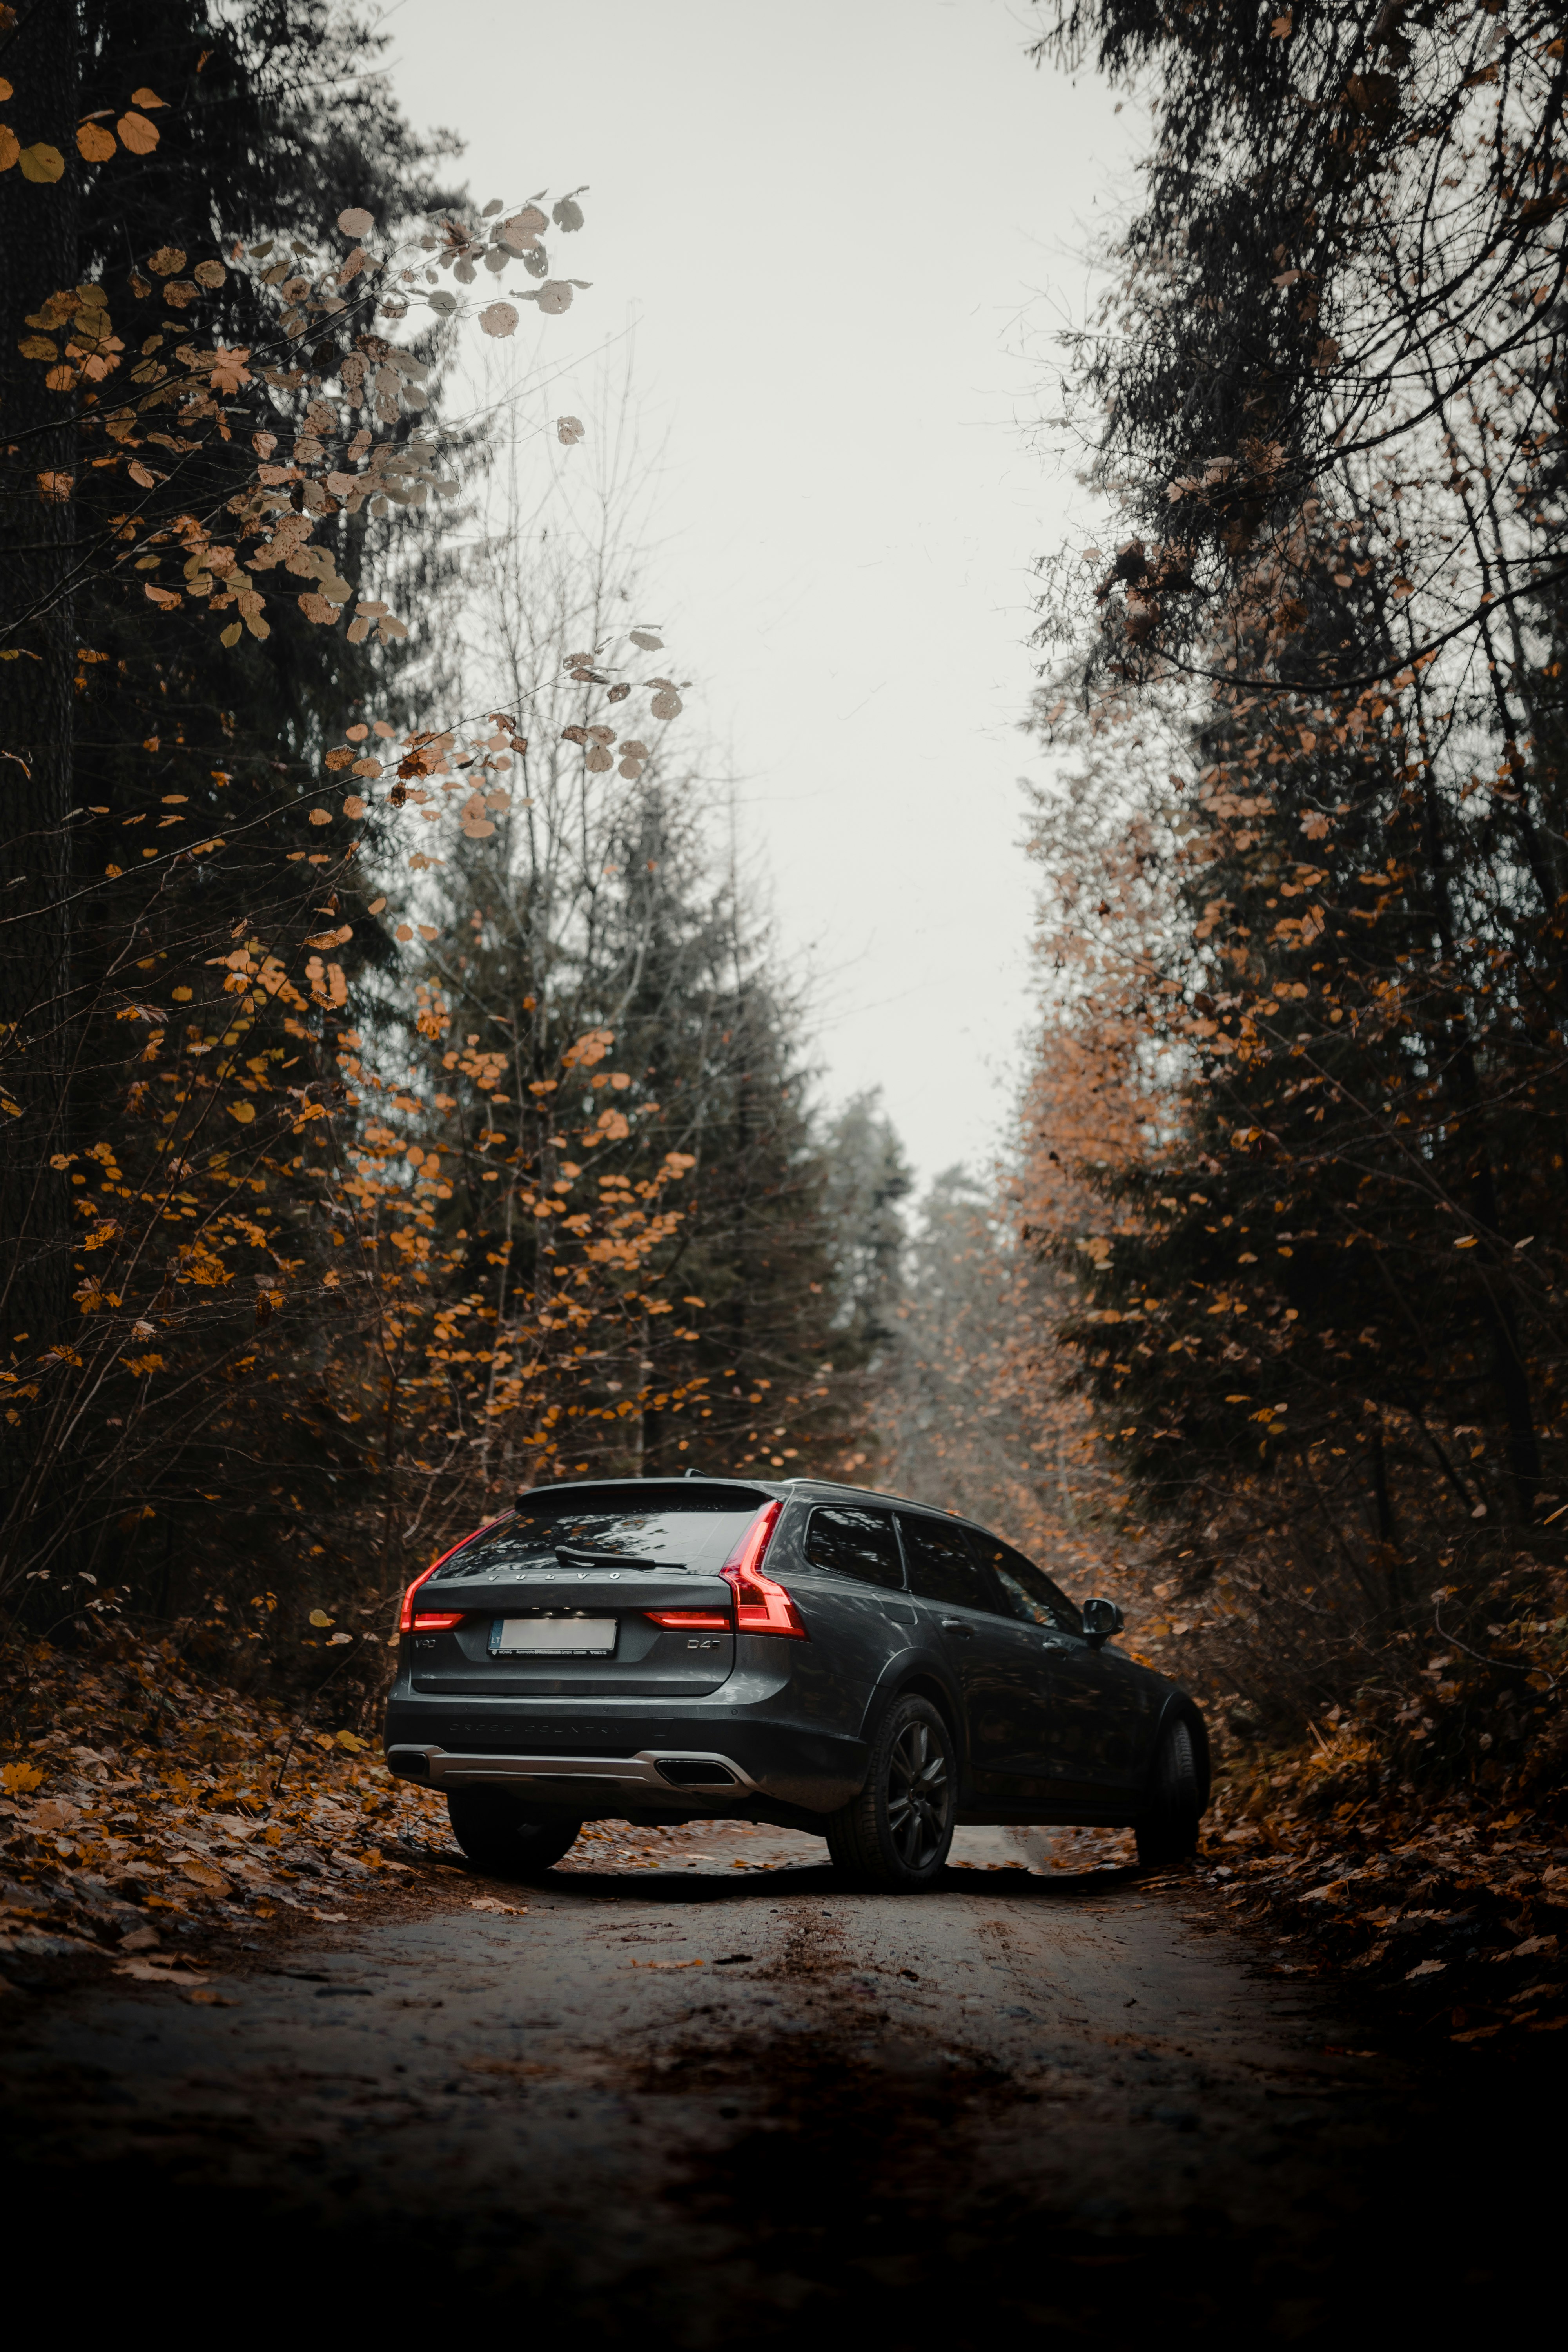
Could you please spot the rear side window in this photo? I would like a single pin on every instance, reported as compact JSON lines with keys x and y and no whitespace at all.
{"x":856,"y":1543}
{"x":941,"y":1566}
{"x":1028,"y":1590}
{"x":645,"y":1529}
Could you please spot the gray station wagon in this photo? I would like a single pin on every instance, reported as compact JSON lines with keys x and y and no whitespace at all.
{"x":832,"y":1660}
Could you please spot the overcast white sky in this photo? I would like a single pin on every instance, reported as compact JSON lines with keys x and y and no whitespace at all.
{"x":844,"y":230}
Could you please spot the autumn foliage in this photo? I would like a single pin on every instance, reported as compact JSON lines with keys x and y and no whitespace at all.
{"x":400,"y":1107}
{"x":1293,"y":1143}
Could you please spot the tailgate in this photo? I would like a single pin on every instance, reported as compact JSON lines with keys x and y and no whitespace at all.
{"x":563,"y":1633}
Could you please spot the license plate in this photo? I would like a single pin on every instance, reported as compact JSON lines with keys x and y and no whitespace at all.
{"x":552,"y":1637}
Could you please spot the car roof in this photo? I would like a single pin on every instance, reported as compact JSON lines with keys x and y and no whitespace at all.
{"x":813,"y":1490}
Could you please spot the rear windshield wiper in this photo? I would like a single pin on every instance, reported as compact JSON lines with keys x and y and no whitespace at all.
{"x":576,"y":1556}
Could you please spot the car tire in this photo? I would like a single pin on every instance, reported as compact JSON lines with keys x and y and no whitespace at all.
{"x":896,"y":1834}
{"x":1168,"y":1829}
{"x":510,"y":1839}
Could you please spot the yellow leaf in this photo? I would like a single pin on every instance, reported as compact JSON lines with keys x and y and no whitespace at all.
{"x":232,"y":634}
{"x":18,"y":1779}
{"x":320,"y":1617}
{"x":42,"y":164}
{"x":355,"y":1746}
{"x":139,"y":135}
{"x":95,"y":143}
{"x":243,"y":1111}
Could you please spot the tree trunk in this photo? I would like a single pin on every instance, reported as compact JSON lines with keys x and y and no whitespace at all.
{"x":37,"y":440}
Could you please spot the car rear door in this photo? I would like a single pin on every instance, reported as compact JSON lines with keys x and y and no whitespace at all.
{"x":1095,"y":1708}
{"x":989,"y":1652}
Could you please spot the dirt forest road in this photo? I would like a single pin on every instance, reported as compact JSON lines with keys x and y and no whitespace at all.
{"x":722,"y":2100}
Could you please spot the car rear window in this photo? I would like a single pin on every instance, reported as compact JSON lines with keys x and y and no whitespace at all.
{"x":696,"y":1531}
{"x":856,"y":1543}
{"x":1029,"y":1591}
{"x":941,"y":1566}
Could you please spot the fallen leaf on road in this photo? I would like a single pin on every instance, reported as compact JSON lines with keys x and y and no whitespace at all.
{"x":202,"y":1873}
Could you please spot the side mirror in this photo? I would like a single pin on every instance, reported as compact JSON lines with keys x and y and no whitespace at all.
{"x":1100,"y":1620}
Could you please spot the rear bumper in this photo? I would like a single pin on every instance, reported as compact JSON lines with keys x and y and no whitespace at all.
{"x":562,"y":1779}
{"x":602,"y":1758}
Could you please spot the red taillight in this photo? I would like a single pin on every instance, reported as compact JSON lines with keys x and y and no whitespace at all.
{"x":441,"y":1623}
{"x":761,"y":1605}
{"x":710,"y":1619}
{"x":405,"y":1614}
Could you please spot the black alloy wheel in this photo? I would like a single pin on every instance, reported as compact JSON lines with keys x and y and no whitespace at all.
{"x":1168,"y":1830}
{"x":896,"y":1834}
{"x":515,"y":1840}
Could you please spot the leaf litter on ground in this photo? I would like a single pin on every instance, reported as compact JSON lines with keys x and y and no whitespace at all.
{"x":144,"y":1802}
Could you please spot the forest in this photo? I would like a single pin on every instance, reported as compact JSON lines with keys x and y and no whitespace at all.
{"x":428,"y":1001}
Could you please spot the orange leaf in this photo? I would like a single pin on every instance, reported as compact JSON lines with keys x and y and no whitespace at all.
{"x":139,"y":135}
{"x":95,"y":143}
{"x":145,"y":98}
{"x":9,"y":149}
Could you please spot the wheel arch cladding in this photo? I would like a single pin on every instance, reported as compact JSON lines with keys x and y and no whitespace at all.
{"x":926,"y":1685}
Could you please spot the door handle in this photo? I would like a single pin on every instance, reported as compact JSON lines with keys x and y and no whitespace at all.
{"x":956,"y":1625}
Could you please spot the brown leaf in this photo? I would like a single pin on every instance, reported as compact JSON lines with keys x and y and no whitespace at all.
{"x":165,"y":261}
{"x":202,"y":1873}
{"x":355,"y":221}
{"x":229,"y":370}
{"x":137,"y":134}
{"x":499,"y":318}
